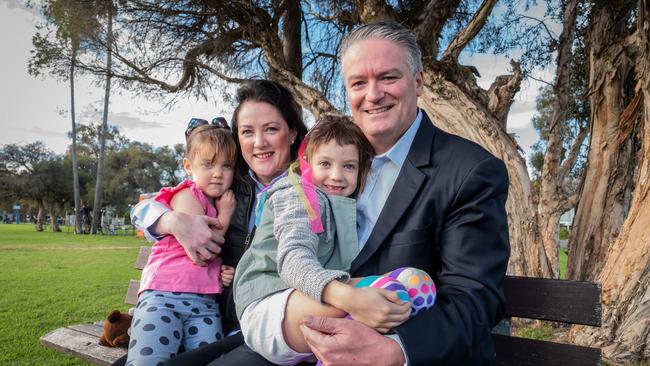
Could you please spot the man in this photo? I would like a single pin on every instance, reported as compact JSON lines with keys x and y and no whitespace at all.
{"x":432,"y":201}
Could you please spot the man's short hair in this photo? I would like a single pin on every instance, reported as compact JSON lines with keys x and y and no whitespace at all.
{"x":390,"y":31}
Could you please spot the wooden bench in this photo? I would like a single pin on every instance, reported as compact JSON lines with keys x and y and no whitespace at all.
{"x":82,"y":340}
{"x":570,"y":302}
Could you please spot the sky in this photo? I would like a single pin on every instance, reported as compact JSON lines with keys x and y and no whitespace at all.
{"x":33,"y":109}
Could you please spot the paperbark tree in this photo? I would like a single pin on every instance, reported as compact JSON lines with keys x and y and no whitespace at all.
{"x":556,"y":195}
{"x":625,"y":276}
{"x":605,"y":195}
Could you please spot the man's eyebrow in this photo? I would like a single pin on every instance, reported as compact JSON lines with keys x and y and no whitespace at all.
{"x":382,"y":73}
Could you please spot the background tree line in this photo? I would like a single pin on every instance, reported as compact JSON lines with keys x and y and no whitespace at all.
{"x":593,"y":117}
{"x":42,"y":180}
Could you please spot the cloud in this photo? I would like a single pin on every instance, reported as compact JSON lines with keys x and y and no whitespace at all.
{"x":20,"y":5}
{"x":526,"y":137}
{"x":128,"y":122}
{"x":46,"y":133}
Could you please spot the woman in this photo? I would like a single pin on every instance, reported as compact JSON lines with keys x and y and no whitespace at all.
{"x":268,"y":129}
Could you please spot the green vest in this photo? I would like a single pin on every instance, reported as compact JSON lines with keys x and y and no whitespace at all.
{"x":257,"y":272}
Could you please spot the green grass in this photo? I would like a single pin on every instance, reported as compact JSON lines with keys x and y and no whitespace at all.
{"x":564,"y":253}
{"x":49,"y":280}
{"x":564,"y":233}
{"x":543,"y":332}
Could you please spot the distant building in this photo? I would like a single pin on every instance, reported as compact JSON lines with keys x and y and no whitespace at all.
{"x":567,"y":218}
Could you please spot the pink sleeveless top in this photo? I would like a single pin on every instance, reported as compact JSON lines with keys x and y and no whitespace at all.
{"x":169,"y":268}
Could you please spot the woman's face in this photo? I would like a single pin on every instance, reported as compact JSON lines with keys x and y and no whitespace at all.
{"x":265,"y":139}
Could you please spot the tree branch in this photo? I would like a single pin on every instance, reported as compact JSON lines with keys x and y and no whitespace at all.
{"x":502,"y":92}
{"x":430,"y":22}
{"x":374,"y":11}
{"x":573,"y":153}
{"x":461,"y":40}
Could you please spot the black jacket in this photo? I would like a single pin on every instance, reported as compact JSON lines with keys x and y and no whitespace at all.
{"x":237,"y":241}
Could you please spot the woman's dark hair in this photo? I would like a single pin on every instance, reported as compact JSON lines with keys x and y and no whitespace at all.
{"x":273,"y":93}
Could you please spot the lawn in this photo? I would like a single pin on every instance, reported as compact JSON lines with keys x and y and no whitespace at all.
{"x":48,"y":280}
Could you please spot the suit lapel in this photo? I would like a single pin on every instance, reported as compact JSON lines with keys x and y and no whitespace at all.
{"x":404,"y":191}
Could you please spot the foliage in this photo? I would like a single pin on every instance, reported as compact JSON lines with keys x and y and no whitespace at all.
{"x":31,"y":172}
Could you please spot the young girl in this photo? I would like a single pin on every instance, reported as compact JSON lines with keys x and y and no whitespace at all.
{"x":177,"y":303}
{"x":306,"y":240}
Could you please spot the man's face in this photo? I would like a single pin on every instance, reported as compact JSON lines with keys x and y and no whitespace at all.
{"x":382,"y":90}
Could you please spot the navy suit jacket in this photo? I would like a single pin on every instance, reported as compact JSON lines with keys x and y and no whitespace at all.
{"x":446,"y":215}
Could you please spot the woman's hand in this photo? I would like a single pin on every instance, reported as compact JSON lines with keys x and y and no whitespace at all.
{"x":196,"y":233}
{"x":227,"y":274}
{"x":377,"y":308}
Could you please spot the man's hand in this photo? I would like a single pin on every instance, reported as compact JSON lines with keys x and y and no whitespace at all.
{"x":347,"y":342}
{"x":196,"y":233}
{"x":227,"y":274}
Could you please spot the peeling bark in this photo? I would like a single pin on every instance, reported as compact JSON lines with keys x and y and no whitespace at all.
{"x":608,"y":175}
{"x":625,"y":332}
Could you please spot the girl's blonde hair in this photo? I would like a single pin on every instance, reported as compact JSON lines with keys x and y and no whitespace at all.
{"x":208,"y":136}
{"x":342,"y":130}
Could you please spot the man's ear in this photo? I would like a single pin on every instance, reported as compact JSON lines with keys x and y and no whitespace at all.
{"x":419,"y":82}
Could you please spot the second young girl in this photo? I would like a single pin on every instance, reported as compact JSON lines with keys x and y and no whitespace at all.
{"x":177,"y":302}
{"x":306,"y":241}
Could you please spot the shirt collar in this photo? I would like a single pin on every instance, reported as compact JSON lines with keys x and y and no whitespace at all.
{"x":259,"y":186}
{"x":397,"y":154}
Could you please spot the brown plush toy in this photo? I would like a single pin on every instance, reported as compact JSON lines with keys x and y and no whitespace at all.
{"x":116,"y":329}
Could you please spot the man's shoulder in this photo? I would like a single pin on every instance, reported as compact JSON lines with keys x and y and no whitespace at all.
{"x":454,"y":155}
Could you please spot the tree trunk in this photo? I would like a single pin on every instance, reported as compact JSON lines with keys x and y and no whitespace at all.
{"x":552,"y":195}
{"x":292,"y":37}
{"x":454,"y":111}
{"x":54,"y":214}
{"x":40,"y":216}
{"x":97,"y":203}
{"x":604,"y":196}
{"x":73,"y":152}
{"x":625,"y":331}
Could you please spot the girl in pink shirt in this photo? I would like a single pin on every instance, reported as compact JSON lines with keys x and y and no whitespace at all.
{"x":177,"y":302}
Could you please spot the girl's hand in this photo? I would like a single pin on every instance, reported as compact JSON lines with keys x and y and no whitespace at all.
{"x":377,"y":308}
{"x":227,"y":274}
{"x":226,"y":203}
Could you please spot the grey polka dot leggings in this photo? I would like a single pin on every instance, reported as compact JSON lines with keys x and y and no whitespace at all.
{"x":163,"y":321}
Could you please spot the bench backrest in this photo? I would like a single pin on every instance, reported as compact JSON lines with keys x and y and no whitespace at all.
{"x":571,"y":302}
{"x":134,"y":285}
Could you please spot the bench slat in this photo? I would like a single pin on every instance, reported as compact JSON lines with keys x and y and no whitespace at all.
{"x":565,"y":301}
{"x":95,"y":330}
{"x":515,"y":351}
{"x":80,"y":344}
{"x":131,"y":297}
{"x":143,"y":257}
